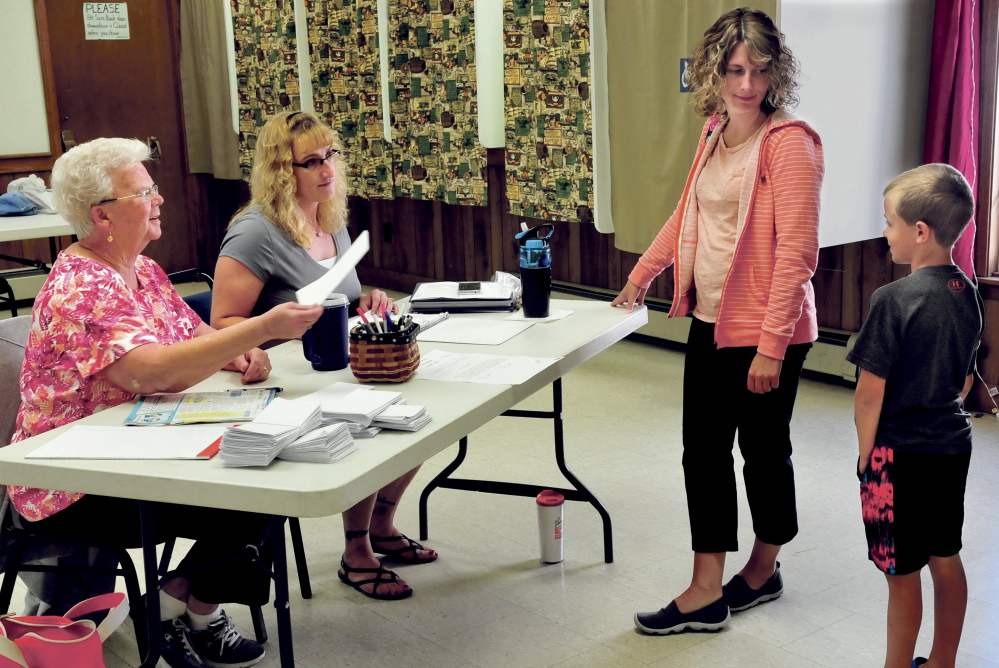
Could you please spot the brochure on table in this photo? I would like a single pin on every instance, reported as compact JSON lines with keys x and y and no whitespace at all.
{"x":195,"y":407}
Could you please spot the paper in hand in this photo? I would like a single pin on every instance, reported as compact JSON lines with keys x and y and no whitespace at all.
{"x":317,"y":291}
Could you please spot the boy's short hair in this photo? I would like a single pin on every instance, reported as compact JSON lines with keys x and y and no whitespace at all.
{"x":936,"y":194}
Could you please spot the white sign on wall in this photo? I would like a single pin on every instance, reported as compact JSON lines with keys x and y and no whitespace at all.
{"x":865,"y":68}
{"x":105,"y":20}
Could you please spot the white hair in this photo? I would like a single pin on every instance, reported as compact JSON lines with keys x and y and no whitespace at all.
{"x":83,"y":177}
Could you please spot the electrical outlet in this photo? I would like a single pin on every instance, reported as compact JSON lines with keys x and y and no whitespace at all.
{"x":993,"y":391}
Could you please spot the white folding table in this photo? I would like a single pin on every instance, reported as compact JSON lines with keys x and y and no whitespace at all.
{"x":296,"y":489}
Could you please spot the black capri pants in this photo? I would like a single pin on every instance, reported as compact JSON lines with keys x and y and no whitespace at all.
{"x":716,"y":405}
{"x":218,"y":533}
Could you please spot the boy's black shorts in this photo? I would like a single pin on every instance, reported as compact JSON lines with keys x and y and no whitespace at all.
{"x":913,"y":507}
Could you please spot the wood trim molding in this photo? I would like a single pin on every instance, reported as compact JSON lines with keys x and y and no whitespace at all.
{"x":41,"y":162}
{"x":987,"y":214}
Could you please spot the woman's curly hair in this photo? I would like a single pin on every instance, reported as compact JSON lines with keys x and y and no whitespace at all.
{"x":706,"y":74}
{"x":272,"y":181}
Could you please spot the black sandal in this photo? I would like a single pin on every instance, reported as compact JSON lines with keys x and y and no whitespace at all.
{"x":379,"y":579}
{"x":397,"y":554}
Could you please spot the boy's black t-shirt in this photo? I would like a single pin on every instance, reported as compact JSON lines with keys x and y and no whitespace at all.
{"x":922,"y":336}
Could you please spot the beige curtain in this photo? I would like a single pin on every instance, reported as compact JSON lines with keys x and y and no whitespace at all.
{"x":653,"y":128}
{"x":212,"y":142}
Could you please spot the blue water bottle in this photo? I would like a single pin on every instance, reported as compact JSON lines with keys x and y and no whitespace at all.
{"x":536,"y":270}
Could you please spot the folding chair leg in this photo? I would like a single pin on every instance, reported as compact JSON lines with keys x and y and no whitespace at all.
{"x":259,"y":628}
{"x":166,"y":556}
{"x":295,"y":528}
{"x":13,"y":566}
{"x":137,"y":609}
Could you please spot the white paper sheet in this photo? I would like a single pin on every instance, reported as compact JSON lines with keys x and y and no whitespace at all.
{"x":475,"y":331}
{"x":317,"y":291}
{"x":96,"y":442}
{"x":553,"y":314}
{"x":334,"y":392}
{"x":478,"y":368}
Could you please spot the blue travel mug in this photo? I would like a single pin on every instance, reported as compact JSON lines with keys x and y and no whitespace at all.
{"x":325,"y":343}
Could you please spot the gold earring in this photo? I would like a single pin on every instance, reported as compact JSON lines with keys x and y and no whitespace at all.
{"x":110,"y":238}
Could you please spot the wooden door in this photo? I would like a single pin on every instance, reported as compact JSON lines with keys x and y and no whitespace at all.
{"x":129,"y":88}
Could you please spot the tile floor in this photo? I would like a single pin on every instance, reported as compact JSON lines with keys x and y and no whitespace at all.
{"x":489,"y":602}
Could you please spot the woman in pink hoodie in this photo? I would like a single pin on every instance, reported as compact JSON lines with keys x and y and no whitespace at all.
{"x":743,"y":243}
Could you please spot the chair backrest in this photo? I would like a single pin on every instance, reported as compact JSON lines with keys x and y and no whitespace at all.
{"x":201,"y":303}
{"x":13,"y":339}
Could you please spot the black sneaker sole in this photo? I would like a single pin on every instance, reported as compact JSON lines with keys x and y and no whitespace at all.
{"x":683,"y":626}
{"x":236,"y":664}
{"x":757,"y":601}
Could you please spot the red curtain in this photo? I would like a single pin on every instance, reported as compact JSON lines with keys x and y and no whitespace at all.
{"x":952,"y":113}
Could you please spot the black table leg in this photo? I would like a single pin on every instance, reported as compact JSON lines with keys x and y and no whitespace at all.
{"x":298,"y":545}
{"x":578,"y":492}
{"x":282,"y":605}
{"x":149,"y":566}
{"x":437,"y":482}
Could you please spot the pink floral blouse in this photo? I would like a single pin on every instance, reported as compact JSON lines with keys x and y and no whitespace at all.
{"x":85,"y":318}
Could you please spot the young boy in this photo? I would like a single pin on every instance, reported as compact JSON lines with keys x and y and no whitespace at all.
{"x":916,"y":354}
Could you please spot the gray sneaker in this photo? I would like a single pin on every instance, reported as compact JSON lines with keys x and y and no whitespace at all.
{"x":221,"y":645}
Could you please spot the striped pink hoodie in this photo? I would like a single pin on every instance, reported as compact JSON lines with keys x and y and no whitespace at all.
{"x":767,"y":299}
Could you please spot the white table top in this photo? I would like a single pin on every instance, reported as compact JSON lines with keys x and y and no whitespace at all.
{"x":20,"y":228}
{"x":301,"y":489}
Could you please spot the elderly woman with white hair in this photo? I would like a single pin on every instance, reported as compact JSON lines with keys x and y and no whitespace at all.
{"x":108,"y":325}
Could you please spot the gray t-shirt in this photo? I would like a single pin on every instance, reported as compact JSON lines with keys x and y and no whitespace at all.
{"x":278,"y":261}
{"x":922,"y":336}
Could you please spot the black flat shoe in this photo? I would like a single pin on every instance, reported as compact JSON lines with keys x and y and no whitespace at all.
{"x":712,"y":617}
{"x":740,"y":596}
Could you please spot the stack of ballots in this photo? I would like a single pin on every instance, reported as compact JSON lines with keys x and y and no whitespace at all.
{"x":406,"y":418}
{"x":257,"y":443}
{"x":362,"y":409}
{"x":324,"y":445}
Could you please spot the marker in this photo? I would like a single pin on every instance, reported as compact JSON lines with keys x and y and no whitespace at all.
{"x":391,"y":326}
{"x":276,"y":389}
{"x":364,"y":319}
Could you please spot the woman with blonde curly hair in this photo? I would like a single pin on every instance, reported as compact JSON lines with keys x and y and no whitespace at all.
{"x":294,"y":227}
{"x":290,"y":234}
{"x":743,"y":243}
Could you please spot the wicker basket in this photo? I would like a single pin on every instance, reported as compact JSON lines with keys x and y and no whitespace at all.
{"x":384,"y":358}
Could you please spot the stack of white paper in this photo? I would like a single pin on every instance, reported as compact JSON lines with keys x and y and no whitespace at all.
{"x":324,"y":445}
{"x":360,"y":431}
{"x":257,"y":443}
{"x":406,"y":418}
{"x":360,"y":406}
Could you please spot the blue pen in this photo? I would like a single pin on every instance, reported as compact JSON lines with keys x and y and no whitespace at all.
{"x":389,"y":321}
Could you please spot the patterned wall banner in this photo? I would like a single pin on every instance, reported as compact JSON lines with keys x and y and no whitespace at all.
{"x":346,"y":85}
{"x":549,"y":125}
{"x":437,"y":153}
{"x":266,"y":67}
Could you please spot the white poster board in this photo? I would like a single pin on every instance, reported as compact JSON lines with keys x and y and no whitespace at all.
{"x":105,"y":20}
{"x":25,"y":129}
{"x":865,"y":68}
